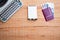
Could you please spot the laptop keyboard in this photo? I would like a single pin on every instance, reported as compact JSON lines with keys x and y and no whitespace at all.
{"x":10,"y":11}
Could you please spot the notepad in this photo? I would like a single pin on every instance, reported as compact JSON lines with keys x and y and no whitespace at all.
{"x":32,"y":12}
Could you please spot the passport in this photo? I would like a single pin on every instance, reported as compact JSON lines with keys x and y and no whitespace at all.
{"x":48,"y":11}
{"x":48,"y":15}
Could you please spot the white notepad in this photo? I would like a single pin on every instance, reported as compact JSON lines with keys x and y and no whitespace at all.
{"x":32,"y":12}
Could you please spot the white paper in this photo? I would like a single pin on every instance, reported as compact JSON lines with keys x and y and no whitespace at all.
{"x":32,"y":12}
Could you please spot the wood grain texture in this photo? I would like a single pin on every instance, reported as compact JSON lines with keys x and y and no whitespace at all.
{"x":19,"y":28}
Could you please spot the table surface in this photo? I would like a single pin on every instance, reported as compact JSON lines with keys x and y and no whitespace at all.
{"x":19,"y":28}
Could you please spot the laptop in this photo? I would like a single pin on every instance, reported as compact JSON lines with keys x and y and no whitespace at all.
{"x":8,"y":8}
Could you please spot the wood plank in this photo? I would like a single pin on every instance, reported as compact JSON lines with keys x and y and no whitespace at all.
{"x":19,"y":28}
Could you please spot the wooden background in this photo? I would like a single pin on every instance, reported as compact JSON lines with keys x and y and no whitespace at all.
{"x":19,"y":28}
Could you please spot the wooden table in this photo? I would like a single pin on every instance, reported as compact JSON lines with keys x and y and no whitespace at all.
{"x":19,"y":28}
